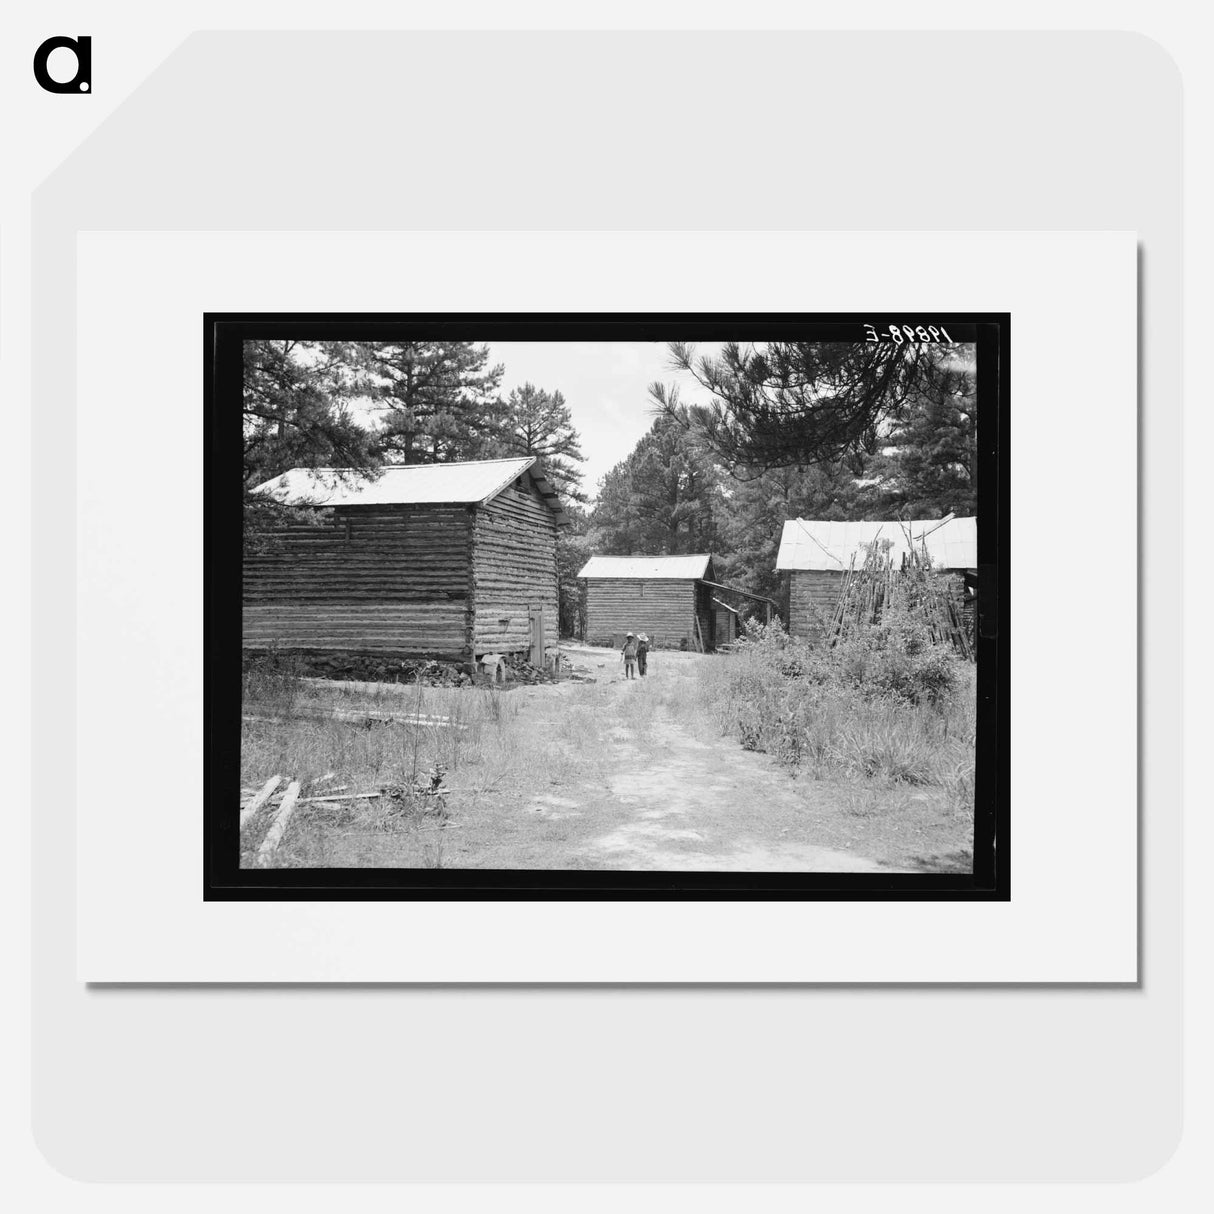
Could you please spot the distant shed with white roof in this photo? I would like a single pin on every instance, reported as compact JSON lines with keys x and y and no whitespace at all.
{"x":665,"y":597}
{"x":817,"y":555}
{"x":677,"y":601}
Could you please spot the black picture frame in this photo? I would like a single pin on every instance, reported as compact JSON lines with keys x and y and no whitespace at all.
{"x":224,"y":880}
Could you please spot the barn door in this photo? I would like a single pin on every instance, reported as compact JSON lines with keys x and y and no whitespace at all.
{"x":536,"y":616}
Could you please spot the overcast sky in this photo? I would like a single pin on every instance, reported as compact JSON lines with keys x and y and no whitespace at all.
{"x":605,"y":384}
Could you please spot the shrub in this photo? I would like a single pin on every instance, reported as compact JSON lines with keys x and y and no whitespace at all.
{"x":887,"y":703}
{"x":897,"y":656}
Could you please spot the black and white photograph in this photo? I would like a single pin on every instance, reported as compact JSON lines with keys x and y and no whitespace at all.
{"x":567,"y":604}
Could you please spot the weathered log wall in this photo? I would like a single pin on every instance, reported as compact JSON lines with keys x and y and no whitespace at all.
{"x":662,"y":607}
{"x":513,"y":569}
{"x":372,"y":578}
{"x":401,"y":629}
{"x":812,"y":597}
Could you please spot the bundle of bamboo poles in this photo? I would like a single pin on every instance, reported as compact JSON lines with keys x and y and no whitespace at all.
{"x":877,"y":582}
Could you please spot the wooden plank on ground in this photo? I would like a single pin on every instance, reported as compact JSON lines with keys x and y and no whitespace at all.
{"x":258,"y":801}
{"x":351,"y":717}
{"x":348,"y":796}
{"x":278,"y":827}
{"x":345,"y":687}
{"x":421,"y":792}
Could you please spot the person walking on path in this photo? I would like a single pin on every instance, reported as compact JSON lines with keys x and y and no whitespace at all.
{"x":630,"y":656}
{"x":642,"y":654}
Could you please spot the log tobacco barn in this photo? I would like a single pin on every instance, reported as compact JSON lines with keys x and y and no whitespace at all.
{"x":676,"y":600}
{"x":816,"y":556}
{"x":437,"y":560}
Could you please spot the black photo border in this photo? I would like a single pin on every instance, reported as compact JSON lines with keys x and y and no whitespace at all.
{"x":223,"y":879}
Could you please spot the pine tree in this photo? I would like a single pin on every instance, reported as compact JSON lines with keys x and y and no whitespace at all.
{"x":572,"y":552}
{"x":785,"y":404}
{"x":535,"y":422}
{"x":663,"y":499}
{"x":757,"y":510}
{"x":927,"y":466}
{"x":437,"y":398}
{"x":296,"y":413}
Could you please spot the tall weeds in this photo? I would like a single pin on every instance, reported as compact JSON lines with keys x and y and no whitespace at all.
{"x":883,"y":705}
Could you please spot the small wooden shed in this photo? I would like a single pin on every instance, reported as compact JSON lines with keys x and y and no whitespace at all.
{"x":667,"y":597}
{"x":437,"y":560}
{"x":817,"y":554}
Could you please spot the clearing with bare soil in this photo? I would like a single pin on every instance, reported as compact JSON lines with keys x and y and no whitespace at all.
{"x":594,"y":772}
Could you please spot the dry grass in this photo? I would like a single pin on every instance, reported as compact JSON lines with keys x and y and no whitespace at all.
{"x":484,"y":753}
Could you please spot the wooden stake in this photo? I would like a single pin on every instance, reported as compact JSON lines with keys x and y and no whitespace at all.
{"x":258,"y":801}
{"x":278,"y":827}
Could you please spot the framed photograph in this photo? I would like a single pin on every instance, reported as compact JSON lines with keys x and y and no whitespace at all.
{"x":606,"y":606}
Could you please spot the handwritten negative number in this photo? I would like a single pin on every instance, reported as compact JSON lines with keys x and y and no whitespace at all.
{"x":923,"y":333}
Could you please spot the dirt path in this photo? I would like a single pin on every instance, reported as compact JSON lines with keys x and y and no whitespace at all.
{"x":656,"y":797}
{"x":594,"y":772}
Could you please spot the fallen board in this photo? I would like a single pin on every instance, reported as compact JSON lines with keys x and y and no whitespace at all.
{"x":348,"y":716}
{"x":421,"y":792}
{"x":258,"y":801}
{"x":278,"y":827}
{"x":357,"y":687}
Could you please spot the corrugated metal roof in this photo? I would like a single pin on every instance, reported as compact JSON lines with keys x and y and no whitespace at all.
{"x":647,"y":566}
{"x":806,"y":544}
{"x":398,"y":484}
